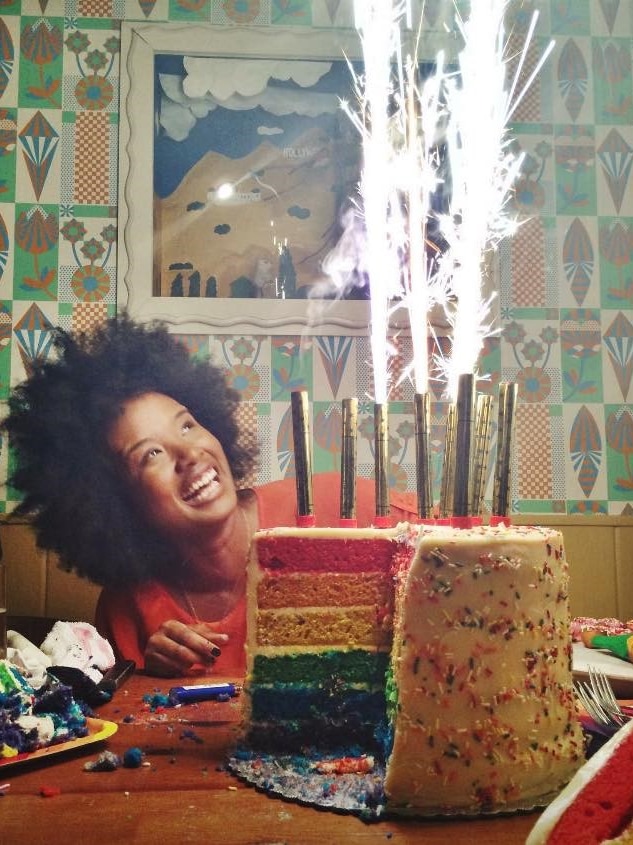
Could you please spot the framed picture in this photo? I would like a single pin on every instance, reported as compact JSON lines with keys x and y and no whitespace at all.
{"x":237,"y":167}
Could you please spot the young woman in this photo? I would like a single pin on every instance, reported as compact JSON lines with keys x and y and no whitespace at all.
{"x":129,"y":460}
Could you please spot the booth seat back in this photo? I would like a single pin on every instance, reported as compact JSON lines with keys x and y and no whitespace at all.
{"x":599,"y":550}
{"x":36,"y":586}
{"x":600,"y":554}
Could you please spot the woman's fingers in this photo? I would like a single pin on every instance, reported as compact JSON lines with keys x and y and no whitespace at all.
{"x":175,"y":648}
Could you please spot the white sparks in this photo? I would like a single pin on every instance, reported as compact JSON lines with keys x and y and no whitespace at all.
{"x":424,"y":114}
{"x":378,"y":24}
{"x":484,"y":168}
{"x":401,"y":124}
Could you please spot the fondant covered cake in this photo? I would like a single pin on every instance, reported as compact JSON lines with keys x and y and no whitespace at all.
{"x":481,"y":698}
{"x":444,"y":652}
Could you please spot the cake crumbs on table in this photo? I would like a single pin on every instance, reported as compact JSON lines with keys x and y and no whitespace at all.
{"x":50,"y":791}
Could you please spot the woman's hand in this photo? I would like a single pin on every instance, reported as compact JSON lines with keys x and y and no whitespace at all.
{"x":175,"y":648}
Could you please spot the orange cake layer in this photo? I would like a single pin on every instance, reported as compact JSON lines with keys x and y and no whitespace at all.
{"x":337,"y":589}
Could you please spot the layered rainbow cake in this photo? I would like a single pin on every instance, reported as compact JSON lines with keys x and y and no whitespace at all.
{"x":319,"y":635}
{"x":442,"y":654}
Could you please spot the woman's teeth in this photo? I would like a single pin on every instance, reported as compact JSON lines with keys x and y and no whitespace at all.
{"x":200,"y":484}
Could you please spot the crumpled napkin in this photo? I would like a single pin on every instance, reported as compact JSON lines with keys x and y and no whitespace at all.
{"x":30,"y":660}
{"x":76,"y":644}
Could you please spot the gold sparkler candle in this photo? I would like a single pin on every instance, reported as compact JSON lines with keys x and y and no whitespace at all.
{"x":505,"y":439}
{"x":422,"y":412}
{"x":348,"y":460}
{"x":303,"y":456}
{"x":483,"y":424}
{"x":448,"y":464}
{"x":381,"y":447}
{"x":463,"y":444}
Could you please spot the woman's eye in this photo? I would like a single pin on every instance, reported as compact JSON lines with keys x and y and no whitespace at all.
{"x":187,"y":425}
{"x":150,"y":455}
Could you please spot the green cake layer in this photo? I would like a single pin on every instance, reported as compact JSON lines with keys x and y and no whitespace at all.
{"x":353,"y":667}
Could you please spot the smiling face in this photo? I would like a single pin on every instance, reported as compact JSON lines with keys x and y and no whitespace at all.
{"x":176,"y":469}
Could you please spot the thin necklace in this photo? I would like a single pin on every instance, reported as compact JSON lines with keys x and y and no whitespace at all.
{"x":249,"y":542}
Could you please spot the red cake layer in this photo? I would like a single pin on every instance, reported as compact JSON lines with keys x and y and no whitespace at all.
{"x":597,"y":805}
{"x":298,"y":554}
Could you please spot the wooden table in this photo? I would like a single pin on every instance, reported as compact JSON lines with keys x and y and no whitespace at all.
{"x":185,"y":795}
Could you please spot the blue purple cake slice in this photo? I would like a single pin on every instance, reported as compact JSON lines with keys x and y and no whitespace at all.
{"x":31,"y":719}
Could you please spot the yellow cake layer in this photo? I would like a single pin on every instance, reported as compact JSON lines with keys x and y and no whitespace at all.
{"x":332,"y":589}
{"x":318,"y":648}
{"x":322,"y":626}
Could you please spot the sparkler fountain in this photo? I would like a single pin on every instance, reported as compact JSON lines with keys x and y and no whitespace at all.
{"x":348,"y":462}
{"x":424,"y":115}
{"x":399,"y":123}
{"x":303,"y":458}
{"x":483,"y":170}
{"x":377,"y":23}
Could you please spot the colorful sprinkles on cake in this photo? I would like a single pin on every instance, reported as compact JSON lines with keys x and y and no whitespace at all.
{"x":471,"y":711}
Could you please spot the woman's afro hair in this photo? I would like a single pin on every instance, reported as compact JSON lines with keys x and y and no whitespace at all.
{"x":62,"y":467}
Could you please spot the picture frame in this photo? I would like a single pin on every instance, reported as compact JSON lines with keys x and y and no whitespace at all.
{"x":138,"y":291}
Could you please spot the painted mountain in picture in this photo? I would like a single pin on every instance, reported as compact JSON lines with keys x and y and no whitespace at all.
{"x":258,"y":225}
{"x":255,"y":163}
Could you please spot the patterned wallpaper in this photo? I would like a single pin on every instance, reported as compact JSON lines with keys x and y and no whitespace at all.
{"x":566,"y":328}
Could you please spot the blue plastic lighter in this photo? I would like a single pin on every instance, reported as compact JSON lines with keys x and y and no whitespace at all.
{"x":202,"y":692}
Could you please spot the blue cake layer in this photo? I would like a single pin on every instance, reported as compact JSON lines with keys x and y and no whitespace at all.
{"x":286,"y":701}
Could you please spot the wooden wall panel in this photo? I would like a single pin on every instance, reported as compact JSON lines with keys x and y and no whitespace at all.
{"x":26,"y":570}
{"x":600,"y":554}
{"x":68,"y":597}
{"x":624,"y":570}
{"x":599,"y":550}
{"x":593,"y":588}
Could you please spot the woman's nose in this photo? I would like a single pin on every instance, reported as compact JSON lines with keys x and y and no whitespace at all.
{"x":186,"y":453}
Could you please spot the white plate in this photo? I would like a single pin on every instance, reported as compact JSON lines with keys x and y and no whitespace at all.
{"x":619,"y":672}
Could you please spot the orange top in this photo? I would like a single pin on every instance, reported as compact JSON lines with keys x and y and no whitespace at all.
{"x":127,"y":618}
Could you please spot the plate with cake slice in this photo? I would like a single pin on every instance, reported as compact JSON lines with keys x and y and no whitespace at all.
{"x":619,"y":671}
{"x":595,"y":806}
{"x":98,"y":730}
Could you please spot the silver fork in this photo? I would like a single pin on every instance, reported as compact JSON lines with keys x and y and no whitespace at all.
{"x":600,"y":702}
{"x":603,"y":691}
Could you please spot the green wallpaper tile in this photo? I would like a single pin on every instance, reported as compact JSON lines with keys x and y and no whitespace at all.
{"x":41,"y":48}
{"x":36,"y":243}
{"x":291,"y":12}
{"x":575,"y":170}
{"x":8,"y":152}
{"x":612,"y":82}
{"x":615,"y":261}
{"x":190,"y":10}
{"x":570,"y":17}
{"x":619,"y":441}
